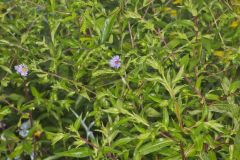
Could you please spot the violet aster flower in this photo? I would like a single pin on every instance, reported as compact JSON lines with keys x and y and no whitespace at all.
{"x":115,"y":62}
{"x":22,"y":69}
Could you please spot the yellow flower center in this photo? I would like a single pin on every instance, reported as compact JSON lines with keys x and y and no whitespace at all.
{"x":24,"y":69}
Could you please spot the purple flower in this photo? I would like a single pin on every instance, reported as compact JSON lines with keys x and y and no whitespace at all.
{"x":22,"y":69}
{"x":115,"y":62}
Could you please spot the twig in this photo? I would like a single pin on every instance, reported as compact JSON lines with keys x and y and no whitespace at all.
{"x":178,"y":114}
{"x":146,"y":11}
{"x":158,"y":31}
{"x":215,"y":22}
{"x":162,"y":39}
{"x":26,"y":93}
{"x":196,"y":27}
{"x":10,"y":105}
{"x":131,"y":36}
{"x":15,"y":45}
{"x":195,"y":90}
{"x":111,"y":156}
{"x":180,"y":144}
{"x":69,"y":80}
{"x":182,"y":151}
{"x":224,"y":70}
{"x":88,"y":142}
{"x":167,"y":135}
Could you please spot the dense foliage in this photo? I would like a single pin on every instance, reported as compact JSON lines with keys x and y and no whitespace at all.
{"x":119,"y":79}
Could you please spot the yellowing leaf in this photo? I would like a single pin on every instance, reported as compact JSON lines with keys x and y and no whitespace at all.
{"x":166,"y":9}
{"x":219,"y":53}
{"x":173,"y":13}
{"x":170,"y":11}
{"x":234,"y":24}
{"x":177,"y":2}
{"x":229,"y":52}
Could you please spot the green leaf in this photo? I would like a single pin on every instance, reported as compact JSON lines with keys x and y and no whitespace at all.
{"x":179,"y":76}
{"x":184,"y":60}
{"x":211,"y":96}
{"x":133,"y":15}
{"x":17,"y":151}
{"x":103,"y":72}
{"x":151,"y":112}
{"x":225,"y":85}
{"x":234,"y":86}
{"x":107,"y":28}
{"x":153,"y":147}
{"x":214,"y":125}
{"x":55,"y":137}
{"x":236,"y":149}
{"x":85,"y":95}
{"x":199,"y":82}
{"x":122,"y":141}
{"x":77,"y":123}
{"x":35,"y":93}
{"x":24,"y":37}
{"x":4,"y":111}
{"x":53,"y":4}
{"x":165,"y":116}
{"x":6,"y":69}
{"x":74,"y":153}
{"x":139,"y":119}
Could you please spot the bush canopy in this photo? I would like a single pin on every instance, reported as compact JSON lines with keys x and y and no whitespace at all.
{"x":119,"y":79}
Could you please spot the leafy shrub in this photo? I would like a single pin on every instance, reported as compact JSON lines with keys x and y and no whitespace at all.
{"x":171,"y":90}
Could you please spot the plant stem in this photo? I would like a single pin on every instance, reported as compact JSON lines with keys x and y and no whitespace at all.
{"x":182,"y":151}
